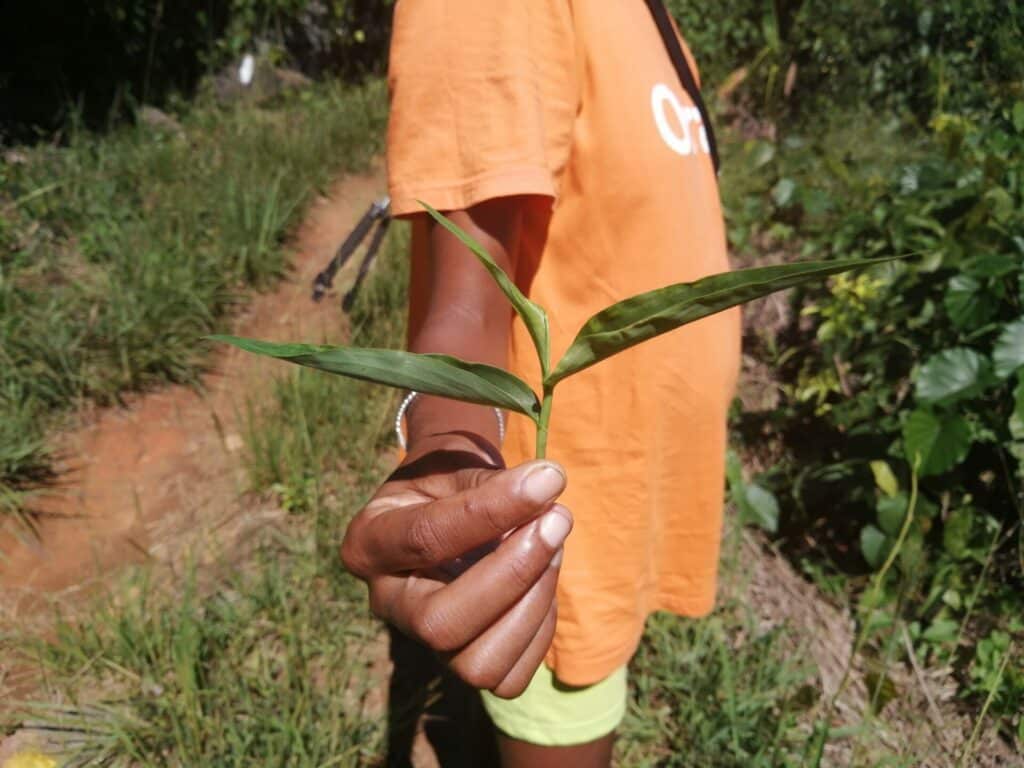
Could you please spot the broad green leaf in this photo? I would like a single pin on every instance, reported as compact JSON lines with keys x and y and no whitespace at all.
{"x":941,"y":631}
{"x":953,"y":599}
{"x":1017,"y":115}
{"x":892,"y":511}
{"x":782,"y":192}
{"x":911,"y":556}
{"x":533,"y":315}
{"x":427,"y":373}
{"x":956,"y":532}
{"x":754,"y":503}
{"x":1001,"y":203}
{"x":884,"y":478}
{"x":924,"y":21}
{"x":1009,"y":351}
{"x":938,"y":442}
{"x":733,"y":470}
{"x":651,"y":314}
{"x":1016,"y":423}
{"x":966,"y":303}
{"x":763,"y":153}
{"x":992,"y":265}
{"x":758,"y":505}
{"x":951,"y":375}
{"x":874,"y":545}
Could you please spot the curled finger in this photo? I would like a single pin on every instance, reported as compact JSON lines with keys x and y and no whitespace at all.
{"x":489,"y":659}
{"x":522,"y":672}
{"x":452,"y":617}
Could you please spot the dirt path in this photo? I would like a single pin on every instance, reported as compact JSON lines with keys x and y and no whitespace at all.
{"x":137,"y":478}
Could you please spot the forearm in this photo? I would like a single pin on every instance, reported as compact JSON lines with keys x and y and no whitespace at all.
{"x":466,"y":316}
{"x":433,"y":416}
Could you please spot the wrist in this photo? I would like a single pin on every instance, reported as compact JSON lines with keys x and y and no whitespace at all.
{"x":427,"y":416}
{"x":457,"y":441}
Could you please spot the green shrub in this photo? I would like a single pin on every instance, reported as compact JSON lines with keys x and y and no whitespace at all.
{"x":919,"y":55}
{"x":918,"y":364}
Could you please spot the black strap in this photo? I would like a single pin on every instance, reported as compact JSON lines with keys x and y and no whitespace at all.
{"x":675,"y":52}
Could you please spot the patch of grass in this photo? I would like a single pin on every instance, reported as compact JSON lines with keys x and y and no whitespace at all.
{"x":719,"y":691}
{"x":267,"y":666}
{"x":318,"y":446}
{"x":267,"y":669}
{"x":320,"y":431}
{"x":118,"y":252}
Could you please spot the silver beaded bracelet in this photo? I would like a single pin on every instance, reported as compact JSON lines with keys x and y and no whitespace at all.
{"x":408,"y":401}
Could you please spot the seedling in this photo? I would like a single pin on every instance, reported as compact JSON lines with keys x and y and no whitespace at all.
{"x":607,"y":333}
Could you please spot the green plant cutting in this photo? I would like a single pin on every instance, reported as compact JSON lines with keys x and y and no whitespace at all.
{"x":612,"y":330}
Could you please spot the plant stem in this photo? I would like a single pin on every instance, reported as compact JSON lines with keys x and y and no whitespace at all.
{"x":879,"y":582}
{"x":542,"y":424}
{"x":978,"y":586}
{"x":969,"y":749}
{"x":820,"y":736}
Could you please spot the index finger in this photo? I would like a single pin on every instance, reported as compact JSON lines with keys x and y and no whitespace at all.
{"x":429,"y":534}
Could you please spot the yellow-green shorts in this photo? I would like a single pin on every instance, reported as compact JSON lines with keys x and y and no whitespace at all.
{"x":552,"y":714}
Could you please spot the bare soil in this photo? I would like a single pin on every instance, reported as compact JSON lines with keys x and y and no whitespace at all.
{"x":136,"y":479}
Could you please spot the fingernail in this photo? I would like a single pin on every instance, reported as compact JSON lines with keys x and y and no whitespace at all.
{"x":557,"y":559}
{"x":542,"y":483}
{"x":554,"y":527}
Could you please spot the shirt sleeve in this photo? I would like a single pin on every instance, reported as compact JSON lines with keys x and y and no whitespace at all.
{"x":483,"y":99}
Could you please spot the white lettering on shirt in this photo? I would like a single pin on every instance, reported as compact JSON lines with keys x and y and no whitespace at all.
{"x":679,"y":142}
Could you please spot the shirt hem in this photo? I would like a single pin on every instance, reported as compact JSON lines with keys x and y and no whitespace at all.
{"x":465,"y":193}
{"x":577,"y":670}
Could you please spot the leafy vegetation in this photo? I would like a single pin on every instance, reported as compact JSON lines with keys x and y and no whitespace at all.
{"x":720,"y":691}
{"x":915,"y":366}
{"x":808,"y":57}
{"x":249,"y":669}
{"x":345,"y":38}
{"x":117,"y":253}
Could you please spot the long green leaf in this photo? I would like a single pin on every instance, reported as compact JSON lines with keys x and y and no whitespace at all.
{"x":651,"y":314}
{"x":427,"y":373}
{"x":533,"y":315}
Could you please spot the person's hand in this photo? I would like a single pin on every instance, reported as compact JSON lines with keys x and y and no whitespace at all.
{"x":463,"y":556}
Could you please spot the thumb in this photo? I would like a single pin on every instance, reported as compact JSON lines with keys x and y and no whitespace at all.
{"x":518,"y":494}
{"x":486,"y":505}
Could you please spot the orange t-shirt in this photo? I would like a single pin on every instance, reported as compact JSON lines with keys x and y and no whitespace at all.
{"x":578,"y":102}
